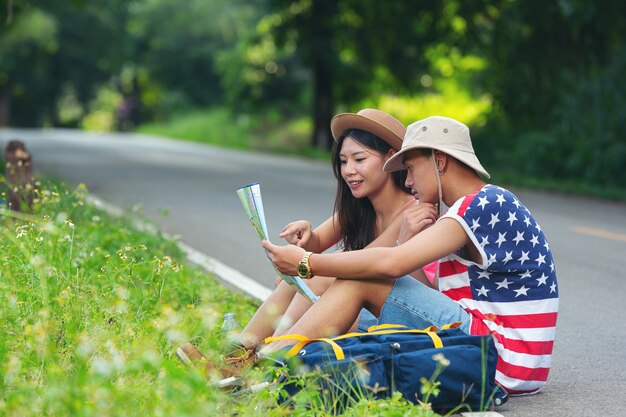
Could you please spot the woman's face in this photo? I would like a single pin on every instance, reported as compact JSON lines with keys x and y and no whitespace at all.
{"x":362,"y":169}
{"x":421,"y":177}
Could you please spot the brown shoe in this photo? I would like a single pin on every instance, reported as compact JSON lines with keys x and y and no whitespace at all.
{"x":235,"y":363}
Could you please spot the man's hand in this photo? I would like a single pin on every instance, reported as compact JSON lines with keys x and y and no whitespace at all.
{"x":297,"y":233}
{"x":415,"y":219}
{"x":286,"y":258}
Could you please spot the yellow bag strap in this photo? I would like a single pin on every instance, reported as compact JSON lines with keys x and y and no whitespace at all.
{"x":297,"y":347}
{"x":385,"y":326}
{"x":286,"y":337}
{"x":336,"y":348}
{"x":431,"y":332}
{"x":382,"y":329}
{"x":339,"y":355}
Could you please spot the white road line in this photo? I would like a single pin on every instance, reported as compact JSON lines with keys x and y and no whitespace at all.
{"x":223,"y":271}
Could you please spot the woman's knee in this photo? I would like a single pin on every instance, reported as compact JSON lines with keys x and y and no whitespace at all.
{"x":369,"y":291}
{"x":320,"y":284}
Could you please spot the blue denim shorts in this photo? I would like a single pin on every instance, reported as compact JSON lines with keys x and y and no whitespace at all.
{"x":413,"y":304}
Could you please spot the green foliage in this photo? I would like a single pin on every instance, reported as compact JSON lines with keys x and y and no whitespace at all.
{"x":50,"y":46}
{"x":270,"y":130}
{"x":535,"y":47}
{"x":179,"y":43}
{"x":525,"y":70}
{"x":103,"y":110}
{"x":581,"y":151}
{"x":92,"y":311}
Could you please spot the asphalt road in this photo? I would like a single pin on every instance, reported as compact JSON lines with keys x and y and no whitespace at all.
{"x":195,"y":184}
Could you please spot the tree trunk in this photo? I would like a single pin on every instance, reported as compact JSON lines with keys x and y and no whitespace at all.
{"x":322,"y":107}
{"x":322,"y":59}
{"x":5,"y":105}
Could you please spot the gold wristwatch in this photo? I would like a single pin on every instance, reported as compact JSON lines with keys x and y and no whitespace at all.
{"x":304,"y":267}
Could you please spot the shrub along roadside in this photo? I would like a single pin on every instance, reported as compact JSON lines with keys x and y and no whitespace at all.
{"x":91,"y":311}
{"x":547,"y":161}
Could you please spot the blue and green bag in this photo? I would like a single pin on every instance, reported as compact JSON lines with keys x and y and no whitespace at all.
{"x":392,"y":358}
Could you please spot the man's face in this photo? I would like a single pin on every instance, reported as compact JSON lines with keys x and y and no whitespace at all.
{"x":421,"y":177}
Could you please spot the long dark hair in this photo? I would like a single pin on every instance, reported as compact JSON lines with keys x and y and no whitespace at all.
{"x":357,"y":218}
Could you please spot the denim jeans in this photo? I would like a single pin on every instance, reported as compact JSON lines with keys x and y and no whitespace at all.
{"x":413,"y":304}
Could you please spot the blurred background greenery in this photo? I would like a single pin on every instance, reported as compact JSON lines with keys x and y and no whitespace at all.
{"x":537,"y":80}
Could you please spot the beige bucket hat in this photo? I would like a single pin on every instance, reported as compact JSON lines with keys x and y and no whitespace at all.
{"x":443,"y":134}
{"x":381,"y":124}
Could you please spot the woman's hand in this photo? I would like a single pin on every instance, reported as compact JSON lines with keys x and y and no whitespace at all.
{"x":297,"y":233}
{"x":415,"y":219}
{"x":286,"y":258}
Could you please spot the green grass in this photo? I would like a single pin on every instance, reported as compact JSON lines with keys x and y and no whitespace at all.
{"x":92,"y":310}
{"x":268,"y":132}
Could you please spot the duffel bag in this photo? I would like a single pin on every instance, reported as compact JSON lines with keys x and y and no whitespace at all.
{"x":393,"y":358}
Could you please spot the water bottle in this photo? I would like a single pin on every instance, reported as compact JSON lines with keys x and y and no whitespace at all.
{"x":230,"y":328}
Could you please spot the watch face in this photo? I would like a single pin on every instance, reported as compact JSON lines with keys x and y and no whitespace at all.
{"x":303,"y":270}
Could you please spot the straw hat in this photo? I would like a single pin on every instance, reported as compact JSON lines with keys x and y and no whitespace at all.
{"x":377,"y":122}
{"x":443,"y":134}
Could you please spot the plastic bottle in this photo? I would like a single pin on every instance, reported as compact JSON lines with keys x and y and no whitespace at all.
{"x":230,"y":328}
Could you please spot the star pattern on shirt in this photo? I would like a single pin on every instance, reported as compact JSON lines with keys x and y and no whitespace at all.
{"x":482,"y":202}
{"x":494,"y":220}
{"x":534,"y":240}
{"x":523,"y":258}
{"x":508,"y":256}
{"x":507,"y":234}
{"x":503,"y":284}
{"x":541,"y":259}
{"x":542,"y":279}
{"x":527,"y":221}
{"x":501,"y":238}
{"x":483,"y":291}
{"x":484,"y":274}
{"x":512,"y":218}
{"x":521,"y":291}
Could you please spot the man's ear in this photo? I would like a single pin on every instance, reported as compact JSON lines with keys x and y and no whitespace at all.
{"x":441,"y":159}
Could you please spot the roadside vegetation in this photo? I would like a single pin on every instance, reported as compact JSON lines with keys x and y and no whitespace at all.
{"x":539,"y":82}
{"x":92,"y":310}
{"x":276,"y":133}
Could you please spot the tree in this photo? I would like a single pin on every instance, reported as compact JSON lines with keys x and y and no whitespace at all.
{"x":50,"y":45}
{"x":535,"y":47}
{"x":27,"y":42}
{"x":348,"y":45}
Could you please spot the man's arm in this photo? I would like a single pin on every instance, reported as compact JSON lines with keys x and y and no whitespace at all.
{"x":443,"y":238}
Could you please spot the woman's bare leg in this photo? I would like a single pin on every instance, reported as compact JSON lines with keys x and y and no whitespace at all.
{"x":336,"y":311}
{"x":280,"y":310}
{"x":263,"y":323}
{"x":299,"y":305}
